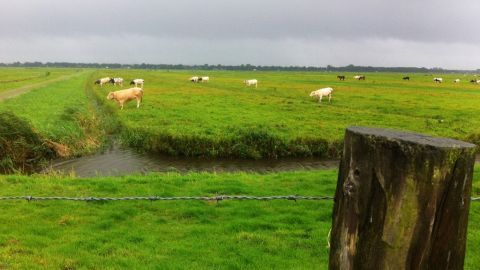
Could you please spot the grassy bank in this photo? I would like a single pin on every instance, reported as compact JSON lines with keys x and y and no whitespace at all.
{"x":60,"y":114}
{"x":177,"y":234}
{"x":224,"y":118}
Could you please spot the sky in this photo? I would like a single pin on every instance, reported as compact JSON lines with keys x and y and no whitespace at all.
{"x":413,"y":33}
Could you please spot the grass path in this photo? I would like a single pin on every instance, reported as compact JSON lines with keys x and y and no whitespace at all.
{"x":23,"y":89}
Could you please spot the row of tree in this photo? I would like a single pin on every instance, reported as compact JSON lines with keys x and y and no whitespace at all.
{"x":349,"y":68}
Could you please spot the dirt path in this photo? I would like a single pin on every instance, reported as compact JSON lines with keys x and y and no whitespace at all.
{"x":21,"y":90}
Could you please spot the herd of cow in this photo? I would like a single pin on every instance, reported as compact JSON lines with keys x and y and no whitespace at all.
{"x":406,"y":78}
{"x":440,"y":80}
{"x":324,"y":92}
{"x":197,"y":79}
{"x":122,"y":96}
{"x":136,"y":92}
{"x":119,"y":81}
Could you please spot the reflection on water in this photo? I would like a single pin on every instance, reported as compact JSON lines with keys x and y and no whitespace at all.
{"x":118,"y":161}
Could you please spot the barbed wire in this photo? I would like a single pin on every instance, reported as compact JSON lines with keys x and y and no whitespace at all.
{"x":180,"y":198}
{"x":157,"y":198}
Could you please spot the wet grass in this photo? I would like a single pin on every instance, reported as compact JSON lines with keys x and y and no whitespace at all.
{"x":224,"y":118}
{"x":177,"y":234}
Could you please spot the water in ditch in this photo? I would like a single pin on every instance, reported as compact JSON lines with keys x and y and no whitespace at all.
{"x":118,"y":161}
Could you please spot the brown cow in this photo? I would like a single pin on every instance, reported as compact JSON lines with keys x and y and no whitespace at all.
{"x":123,"y":96}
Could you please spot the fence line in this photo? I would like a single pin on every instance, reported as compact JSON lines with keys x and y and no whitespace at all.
{"x":157,"y":198}
{"x":184,"y":198}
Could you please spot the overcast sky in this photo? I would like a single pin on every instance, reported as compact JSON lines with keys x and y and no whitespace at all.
{"x":422,"y":33}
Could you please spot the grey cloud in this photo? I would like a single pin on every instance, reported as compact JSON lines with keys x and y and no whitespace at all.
{"x":301,"y":32}
{"x":309,"y":52}
{"x":409,"y":20}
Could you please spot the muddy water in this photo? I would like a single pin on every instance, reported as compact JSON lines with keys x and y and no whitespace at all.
{"x":119,"y":161}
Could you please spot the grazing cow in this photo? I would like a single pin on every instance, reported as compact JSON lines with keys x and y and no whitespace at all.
{"x":438,"y":80}
{"x":251,"y":82}
{"x":194,"y":79}
{"x":203,"y":79}
{"x":123,"y":96}
{"x":406,"y":78}
{"x":102,"y":81}
{"x":116,"y":81}
{"x":456,"y":80}
{"x":320,"y":93}
{"x":473,"y":81}
{"x":359,"y":77}
{"x":341,"y":77}
{"x":137,"y":82}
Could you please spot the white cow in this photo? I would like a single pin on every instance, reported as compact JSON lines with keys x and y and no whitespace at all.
{"x":320,"y":93}
{"x":193,"y":79}
{"x":137,"y":82}
{"x":438,"y":80}
{"x":359,"y":77}
{"x":456,"y":80}
{"x":117,"y":81}
{"x":102,"y":81}
{"x":251,"y":82}
{"x":204,"y":79}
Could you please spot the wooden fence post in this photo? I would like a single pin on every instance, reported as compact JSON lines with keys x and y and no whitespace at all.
{"x":401,"y":202}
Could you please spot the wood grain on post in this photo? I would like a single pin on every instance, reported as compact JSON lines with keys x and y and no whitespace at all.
{"x":401,"y":202}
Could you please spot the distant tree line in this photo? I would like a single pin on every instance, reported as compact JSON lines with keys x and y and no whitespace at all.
{"x":329,"y":68}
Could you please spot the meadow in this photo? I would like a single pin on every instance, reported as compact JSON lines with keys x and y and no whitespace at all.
{"x":12,"y":78}
{"x":59,"y":114}
{"x":224,"y":118}
{"x":176,"y":234}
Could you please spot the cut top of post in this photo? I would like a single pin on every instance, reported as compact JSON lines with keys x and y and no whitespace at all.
{"x":410,"y":137}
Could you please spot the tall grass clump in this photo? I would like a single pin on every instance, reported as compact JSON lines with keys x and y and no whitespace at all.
{"x":21,"y":148}
{"x":251,"y":143}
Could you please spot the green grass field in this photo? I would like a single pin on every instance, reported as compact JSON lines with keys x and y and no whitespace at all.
{"x":60,"y":113}
{"x":226,"y":118}
{"x":178,"y":234}
{"x":221,"y":118}
{"x":12,"y":78}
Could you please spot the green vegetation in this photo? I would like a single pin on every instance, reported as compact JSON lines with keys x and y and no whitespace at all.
{"x":21,"y":149}
{"x":12,"y":78}
{"x":59,"y":115}
{"x":176,"y":234}
{"x":224,"y":118}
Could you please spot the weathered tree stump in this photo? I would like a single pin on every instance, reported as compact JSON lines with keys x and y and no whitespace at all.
{"x":402,"y":201}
